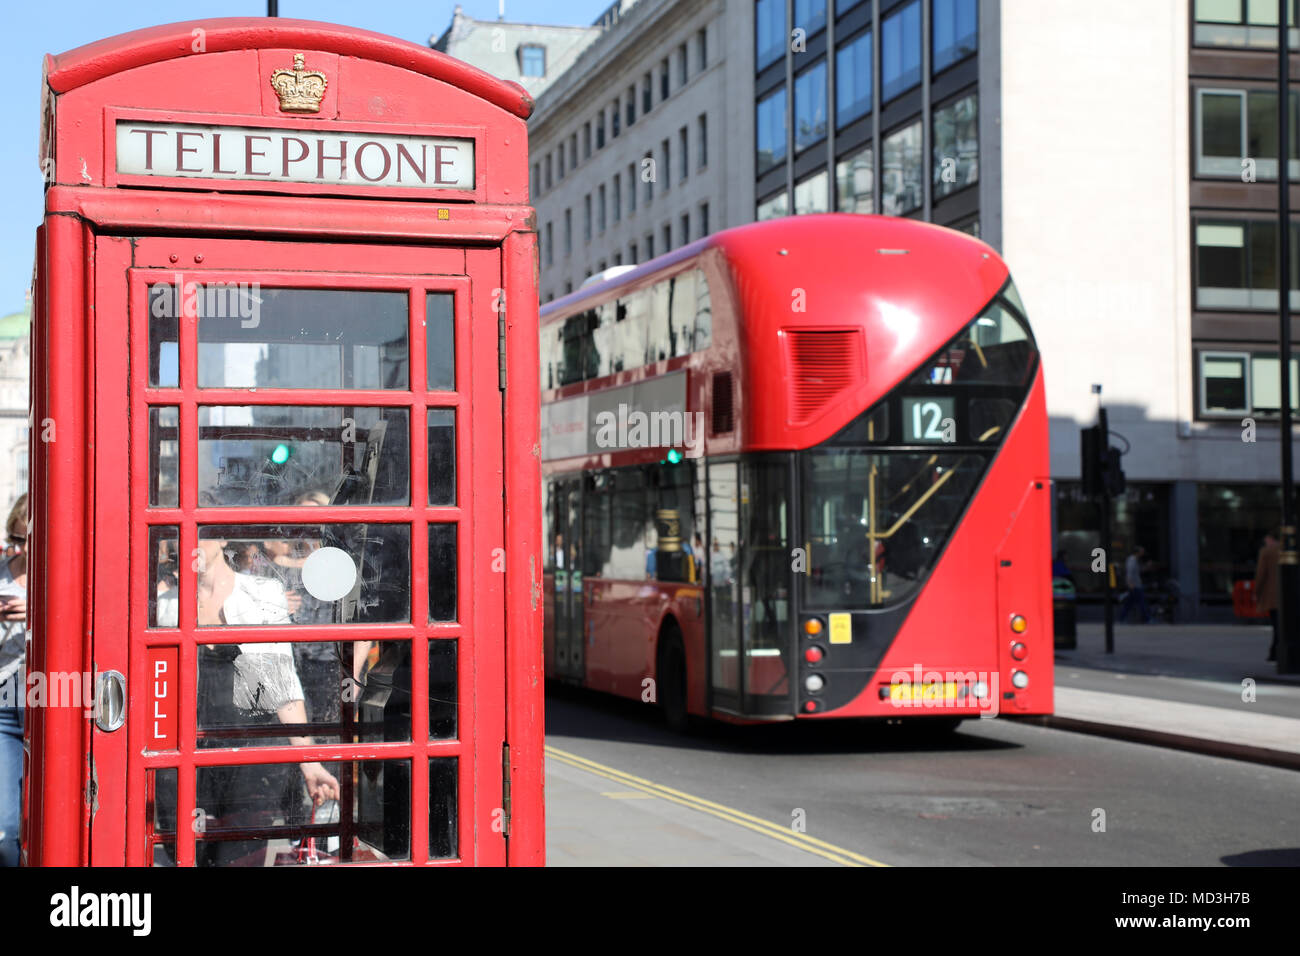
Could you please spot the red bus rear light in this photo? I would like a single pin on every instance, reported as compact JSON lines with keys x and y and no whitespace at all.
{"x":1019,"y":651}
{"x":813,"y":654}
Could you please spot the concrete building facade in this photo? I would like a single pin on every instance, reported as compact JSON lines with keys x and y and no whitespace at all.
{"x":530,"y":54}
{"x":640,"y":147}
{"x":1120,"y":156}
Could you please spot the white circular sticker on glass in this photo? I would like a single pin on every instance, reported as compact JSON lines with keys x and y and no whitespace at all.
{"x":329,"y":574}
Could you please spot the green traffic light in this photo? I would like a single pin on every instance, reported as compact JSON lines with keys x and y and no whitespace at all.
{"x":280,"y":455}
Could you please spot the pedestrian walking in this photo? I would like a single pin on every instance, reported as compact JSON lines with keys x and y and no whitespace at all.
{"x":1265,"y":587}
{"x":1133,"y":581}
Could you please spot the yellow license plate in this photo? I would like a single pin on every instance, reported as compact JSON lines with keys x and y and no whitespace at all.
{"x":923,"y":691}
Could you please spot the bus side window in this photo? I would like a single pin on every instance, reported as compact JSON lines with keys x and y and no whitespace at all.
{"x":659,"y":334}
{"x":674,"y":522}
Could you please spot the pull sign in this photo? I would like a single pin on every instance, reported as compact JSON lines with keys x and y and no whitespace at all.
{"x":163,"y":672}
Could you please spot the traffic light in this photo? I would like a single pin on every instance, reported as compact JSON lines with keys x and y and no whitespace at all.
{"x":1112,"y":474}
{"x":1100,"y":466}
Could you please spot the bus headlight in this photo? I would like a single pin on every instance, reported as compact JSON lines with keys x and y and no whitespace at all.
{"x":814,"y":683}
{"x":1019,"y":680}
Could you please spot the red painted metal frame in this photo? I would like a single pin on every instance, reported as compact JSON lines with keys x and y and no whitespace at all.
{"x":909,"y":287}
{"x":108,"y":57}
{"x":87,"y":272}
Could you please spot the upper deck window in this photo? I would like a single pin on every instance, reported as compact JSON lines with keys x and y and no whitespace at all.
{"x":671,"y":318}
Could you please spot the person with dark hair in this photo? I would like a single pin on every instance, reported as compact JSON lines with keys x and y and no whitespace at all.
{"x":1265,"y":587}
{"x":13,"y":680}
{"x":240,"y":685}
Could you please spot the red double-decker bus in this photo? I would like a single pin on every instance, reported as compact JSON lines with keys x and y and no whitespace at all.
{"x":800,"y":469}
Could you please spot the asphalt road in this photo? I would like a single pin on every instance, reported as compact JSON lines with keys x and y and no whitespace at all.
{"x":994,"y":793}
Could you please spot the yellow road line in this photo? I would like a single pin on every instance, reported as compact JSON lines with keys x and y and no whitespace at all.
{"x":626,"y":795}
{"x":775,"y":831}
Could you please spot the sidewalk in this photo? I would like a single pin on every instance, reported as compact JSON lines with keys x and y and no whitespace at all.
{"x":1197,"y":687}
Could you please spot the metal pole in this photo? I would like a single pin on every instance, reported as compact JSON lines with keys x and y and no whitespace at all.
{"x":272,"y":8}
{"x":1108,"y":596}
{"x":1288,"y":571}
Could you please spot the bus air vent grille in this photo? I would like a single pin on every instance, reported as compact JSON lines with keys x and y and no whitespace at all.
{"x":821,"y":366}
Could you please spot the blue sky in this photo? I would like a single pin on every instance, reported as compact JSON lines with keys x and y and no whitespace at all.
{"x":35,"y":28}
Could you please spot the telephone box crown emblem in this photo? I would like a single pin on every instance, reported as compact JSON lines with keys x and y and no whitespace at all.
{"x":300,"y":89}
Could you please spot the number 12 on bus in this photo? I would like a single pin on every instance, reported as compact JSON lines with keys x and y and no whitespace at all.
{"x":800,"y":469}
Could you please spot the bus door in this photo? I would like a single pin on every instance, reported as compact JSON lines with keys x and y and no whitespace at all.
{"x":765,"y":576}
{"x":305,"y":462}
{"x":570,"y":617}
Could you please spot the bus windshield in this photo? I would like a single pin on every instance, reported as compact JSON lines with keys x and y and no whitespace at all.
{"x":881,"y":498}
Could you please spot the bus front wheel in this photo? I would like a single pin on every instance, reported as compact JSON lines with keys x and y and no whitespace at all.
{"x":672,"y":679}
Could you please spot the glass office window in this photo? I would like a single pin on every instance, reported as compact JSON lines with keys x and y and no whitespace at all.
{"x":953,"y":32}
{"x":853,"y":79}
{"x":1223,"y":383}
{"x":901,"y":171}
{"x":813,"y":194}
{"x":855,"y":182}
{"x":809,"y":15}
{"x":771,"y":130}
{"x":1235,"y":125}
{"x":1232,"y":384}
{"x":956,"y":146}
{"x":810,"y":106}
{"x":773,"y":208}
{"x":1266,"y":384}
{"x":1242,"y":23}
{"x":900,"y":51}
{"x":769,"y":32}
{"x":1236,"y":264}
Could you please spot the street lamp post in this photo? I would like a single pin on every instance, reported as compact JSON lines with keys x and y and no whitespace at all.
{"x":1288,"y":571}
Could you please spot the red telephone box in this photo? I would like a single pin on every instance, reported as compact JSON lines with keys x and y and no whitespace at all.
{"x":285,"y":502}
